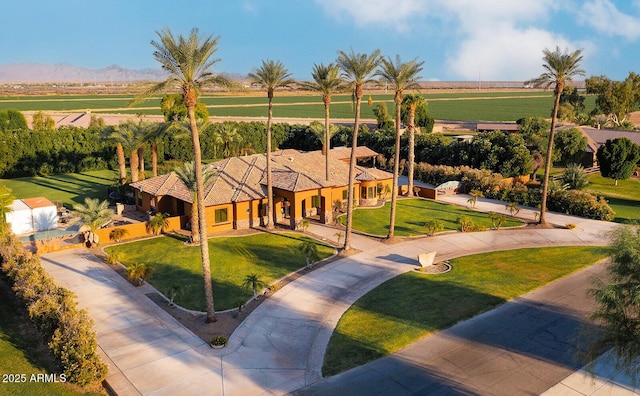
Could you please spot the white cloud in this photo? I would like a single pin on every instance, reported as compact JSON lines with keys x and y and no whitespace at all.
{"x":605,"y":17}
{"x":496,"y":39}
{"x":503,"y":53}
{"x":363,"y":13}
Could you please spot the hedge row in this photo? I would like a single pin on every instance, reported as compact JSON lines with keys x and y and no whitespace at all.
{"x":494,"y":186}
{"x":67,"y":330}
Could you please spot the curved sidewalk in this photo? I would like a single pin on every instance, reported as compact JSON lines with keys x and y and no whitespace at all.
{"x":280,"y":347}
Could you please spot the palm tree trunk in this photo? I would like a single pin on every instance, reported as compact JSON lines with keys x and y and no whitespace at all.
{"x":202,"y":221}
{"x":154,"y":158}
{"x":412,"y":144}
{"x":547,"y":164}
{"x":141,"y":174}
{"x":133,"y":164}
{"x":352,"y":171}
{"x":271,"y":220}
{"x":122,"y":165}
{"x":396,"y":168}
{"x":327,"y":138}
{"x":195,"y":225}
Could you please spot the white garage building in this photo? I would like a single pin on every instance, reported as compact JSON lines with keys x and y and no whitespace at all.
{"x":32,"y":215}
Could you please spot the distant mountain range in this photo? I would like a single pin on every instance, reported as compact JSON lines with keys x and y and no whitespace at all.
{"x":63,"y":72}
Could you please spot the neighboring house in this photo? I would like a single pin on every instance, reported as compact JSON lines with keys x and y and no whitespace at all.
{"x":510,"y":127}
{"x":32,"y":215}
{"x":236,"y":198}
{"x":597,"y":137}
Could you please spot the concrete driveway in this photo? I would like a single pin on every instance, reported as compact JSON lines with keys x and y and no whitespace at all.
{"x":279,"y":348}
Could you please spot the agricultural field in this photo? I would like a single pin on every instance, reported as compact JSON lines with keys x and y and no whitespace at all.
{"x":468,"y":106}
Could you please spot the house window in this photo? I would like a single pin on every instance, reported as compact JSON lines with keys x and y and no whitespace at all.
{"x":315,"y":201}
{"x":371,"y":193}
{"x":344,"y":194}
{"x":221,"y":216}
{"x":363,"y":192}
{"x":139,"y":196}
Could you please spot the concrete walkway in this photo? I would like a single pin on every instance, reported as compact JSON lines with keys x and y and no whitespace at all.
{"x":279,"y":348}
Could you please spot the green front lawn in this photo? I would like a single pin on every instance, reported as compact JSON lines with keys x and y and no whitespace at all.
{"x":271,"y":256}
{"x":624,"y":198}
{"x":412,"y":214}
{"x":410,"y":306}
{"x":70,"y":188}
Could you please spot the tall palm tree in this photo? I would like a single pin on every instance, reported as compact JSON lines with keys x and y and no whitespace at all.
{"x":152,"y":134}
{"x":560,"y":68}
{"x":270,"y":75}
{"x":108,"y":134}
{"x":129,"y":135}
{"x":327,"y":81}
{"x":357,"y":70}
{"x":187,"y":174}
{"x":402,"y":76}
{"x":189,"y":61}
{"x":413,"y":101}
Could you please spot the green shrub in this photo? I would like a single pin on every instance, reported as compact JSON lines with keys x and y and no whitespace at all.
{"x":493,"y":186}
{"x":69,"y":331}
{"x":575,"y":177}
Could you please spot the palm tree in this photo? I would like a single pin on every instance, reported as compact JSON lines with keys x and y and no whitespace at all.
{"x":253,"y":282}
{"x":159,"y":223}
{"x":271,"y":75}
{"x":130,"y":136}
{"x":94,"y":213}
{"x":327,"y":81}
{"x":310,"y":251}
{"x":152,"y":134}
{"x":413,"y":101}
{"x":560,"y":68}
{"x":357,"y":70}
{"x":402,"y":76}
{"x":320,"y":131}
{"x":189,"y":61}
{"x":228,"y":137}
{"x":6,"y":199}
{"x":108,"y":134}
{"x":187,"y":174}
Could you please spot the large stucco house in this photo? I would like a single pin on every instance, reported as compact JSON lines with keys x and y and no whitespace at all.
{"x":236,"y":198}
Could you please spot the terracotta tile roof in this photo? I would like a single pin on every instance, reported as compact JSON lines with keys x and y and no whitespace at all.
{"x":344,"y":153}
{"x":37,"y":202}
{"x":244,"y":178}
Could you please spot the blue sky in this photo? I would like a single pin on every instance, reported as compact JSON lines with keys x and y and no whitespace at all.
{"x":457,"y":39}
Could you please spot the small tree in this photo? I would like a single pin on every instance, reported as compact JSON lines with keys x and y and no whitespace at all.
{"x":159,"y":223}
{"x":475,"y":194}
{"x":433,"y":227}
{"x":253,"y":282}
{"x":513,"y":208}
{"x":138,"y":273}
{"x":618,"y":300}
{"x":117,"y":233}
{"x":575,"y":177}
{"x":304,"y":224}
{"x":618,"y":158}
{"x":338,"y":236}
{"x":496,"y":219}
{"x":310,"y":251}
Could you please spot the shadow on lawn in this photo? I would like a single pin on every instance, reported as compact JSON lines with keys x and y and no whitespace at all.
{"x":548,"y":335}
